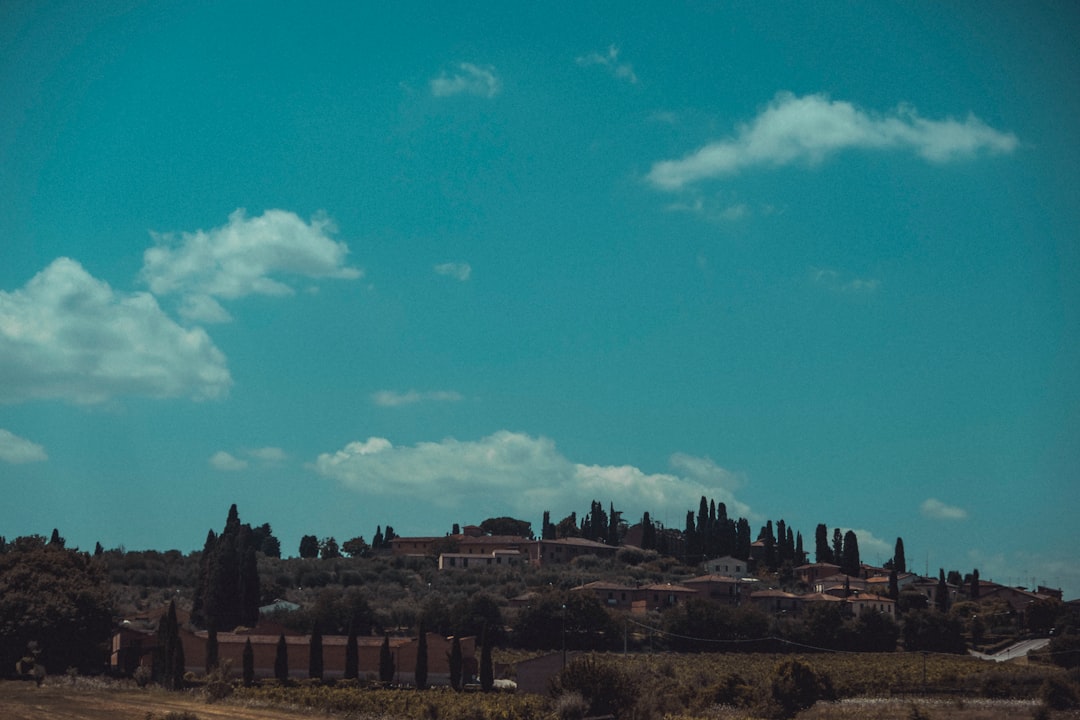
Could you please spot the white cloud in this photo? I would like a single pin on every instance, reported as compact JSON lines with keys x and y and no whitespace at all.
{"x":227,"y":462}
{"x":528,"y":473}
{"x":871,"y":549}
{"x":16,"y":450}
{"x":268,"y":454}
{"x":832,"y":280}
{"x":810,"y":128}
{"x":937,"y":510}
{"x":610,"y":61}
{"x":458,"y":270}
{"x":69,"y":336}
{"x":244,"y":257}
{"x":468,"y":79}
{"x":389,"y":398}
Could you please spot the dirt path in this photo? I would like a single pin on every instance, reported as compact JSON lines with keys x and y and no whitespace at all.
{"x":25,"y":701}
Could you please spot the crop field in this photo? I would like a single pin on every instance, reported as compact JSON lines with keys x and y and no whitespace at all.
{"x":670,"y":687}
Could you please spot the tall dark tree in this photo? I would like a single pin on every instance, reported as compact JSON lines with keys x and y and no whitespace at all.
{"x":56,"y":540}
{"x":822,"y":551}
{"x":742,"y":539}
{"x":176,"y":682}
{"x":800,"y":554}
{"x":941,"y":595}
{"x":211,"y":649}
{"x":487,"y":669}
{"x":838,"y":546}
{"x":248,"y":581}
{"x":352,"y":654}
{"x":648,"y":533}
{"x":249,"y":664}
{"x":614,"y":519}
{"x":386,"y":661}
{"x":899,"y":562}
{"x":975,"y":590}
{"x":377,"y":539}
{"x":309,"y":546}
{"x":420,"y":672}
{"x":850,"y":563}
{"x":198,"y":615}
{"x":329,"y":549}
{"x":456,"y":663}
{"x":315,"y":653}
{"x":281,"y":661}
{"x":894,"y":585}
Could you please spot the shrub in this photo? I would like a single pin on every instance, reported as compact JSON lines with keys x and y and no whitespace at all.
{"x":1058,"y":694}
{"x":571,"y":706}
{"x":793,"y":687}
{"x":606,"y":688}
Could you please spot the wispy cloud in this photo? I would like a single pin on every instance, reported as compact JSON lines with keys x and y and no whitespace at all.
{"x":389,"y":398}
{"x":936,"y":510}
{"x":227,"y":462}
{"x":246,"y":256}
{"x":711,"y":209}
{"x":67,"y":335}
{"x":17,"y":450}
{"x":525,"y":473}
{"x":610,"y":61}
{"x":467,"y":79}
{"x":458,"y":270}
{"x":834,"y":281}
{"x":268,"y":454}
{"x":808,"y":129}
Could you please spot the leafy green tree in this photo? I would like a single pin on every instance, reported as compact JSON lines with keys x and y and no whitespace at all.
{"x":56,"y":597}
{"x":315,"y":654}
{"x":386,"y":661}
{"x":421,"y":671}
{"x":328,"y":549}
{"x":249,"y":664}
{"x":507,"y":526}
{"x":352,"y":655}
{"x":309,"y":546}
{"x":281,"y":660}
{"x":356,"y":547}
{"x":933,"y":631}
{"x":794,"y":687}
{"x":456,"y":663}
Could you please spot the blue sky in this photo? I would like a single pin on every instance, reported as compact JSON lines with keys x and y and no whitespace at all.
{"x":348,"y":265}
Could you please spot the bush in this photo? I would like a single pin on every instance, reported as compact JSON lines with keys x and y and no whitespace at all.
{"x":793,"y":687}
{"x":571,"y":706}
{"x":1058,"y":694}
{"x":606,"y":688}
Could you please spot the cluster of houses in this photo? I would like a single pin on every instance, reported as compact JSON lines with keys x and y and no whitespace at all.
{"x":726,"y":580}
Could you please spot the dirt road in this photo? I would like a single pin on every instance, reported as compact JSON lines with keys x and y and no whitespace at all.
{"x":61,"y":701}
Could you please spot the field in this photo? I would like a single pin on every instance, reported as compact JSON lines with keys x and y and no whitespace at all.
{"x":669,"y":686}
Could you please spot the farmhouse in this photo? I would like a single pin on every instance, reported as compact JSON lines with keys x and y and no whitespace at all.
{"x":133,"y":647}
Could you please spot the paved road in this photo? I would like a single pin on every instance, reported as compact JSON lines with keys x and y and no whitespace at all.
{"x":1012,"y":652}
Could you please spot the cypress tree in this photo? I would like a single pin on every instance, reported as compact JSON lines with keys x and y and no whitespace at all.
{"x":975,"y":584}
{"x":894,"y":586}
{"x":838,"y":546}
{"x":455,"y":663}
{"x":899,"y":561}
{"x":386,"y":661}
{"x":315,"y":654}
{"x":487,"y":670}
{"x":211,"y":649}
{"x":177,"y":681}
{"x":247,"y":599}
{"x":851,"y":564}
{"x":822,"y":551}
{"x":941,"y":597}
{"x":199,"y":602}
{"x":281,"y":661}
{"x":420,"y":673}
{"x":352,"y":654}
{"x":249,"y":664}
